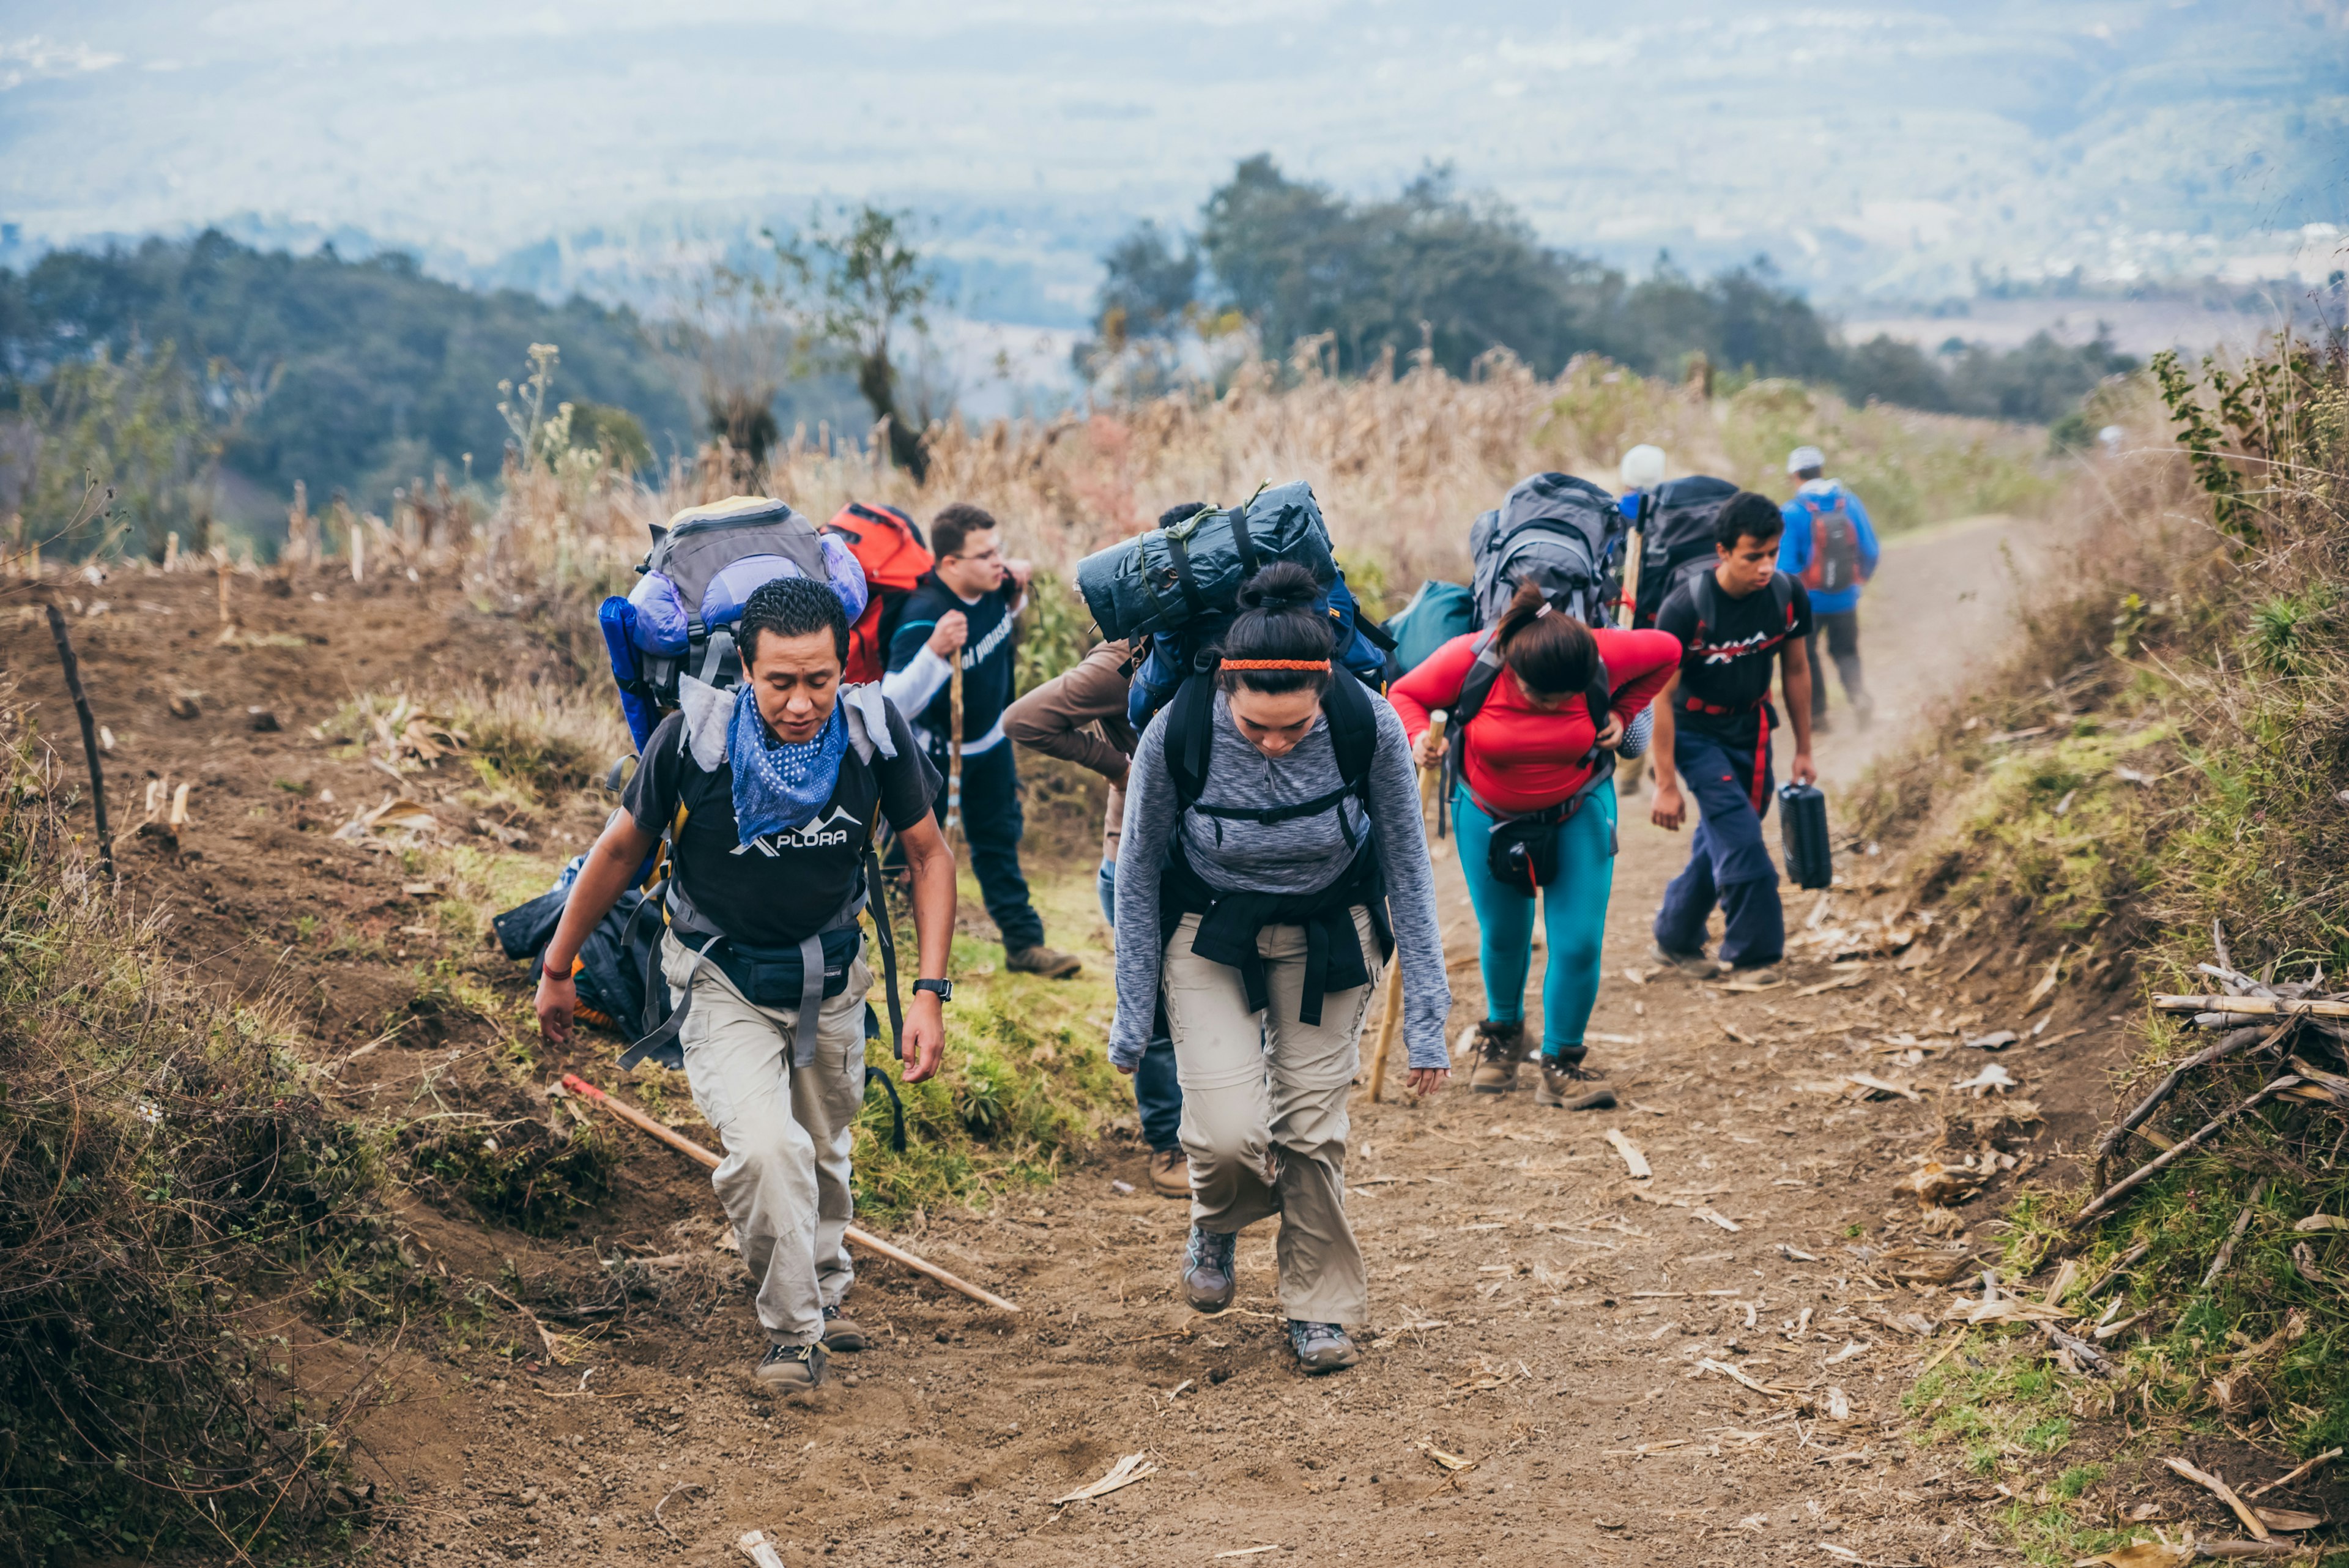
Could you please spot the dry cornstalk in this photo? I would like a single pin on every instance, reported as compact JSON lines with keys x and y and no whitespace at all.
{"x":2178,"y":1150}
{"x":2225,"y":1493}
{"x":2234,"y":1234}
{"x":2146,"y":1107}
{"x":2252,"y":1006}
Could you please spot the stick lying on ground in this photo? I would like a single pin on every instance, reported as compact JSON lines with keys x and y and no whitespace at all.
{"x":856,"y":1237}
{"x":2250,"y":1006}
{"x":2178,"y":1150}
{"x":2226,"y":1047}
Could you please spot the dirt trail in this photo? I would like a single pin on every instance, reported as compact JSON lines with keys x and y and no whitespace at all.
{"x":1536,"y":1313}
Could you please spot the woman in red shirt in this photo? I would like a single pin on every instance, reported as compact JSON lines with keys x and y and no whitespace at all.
{"x":1533,"y":769}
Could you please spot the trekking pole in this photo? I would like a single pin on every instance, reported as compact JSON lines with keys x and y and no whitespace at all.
{"x":1633,"y":549}
{"x":687,"y":1146}
{"x":954,"y":745}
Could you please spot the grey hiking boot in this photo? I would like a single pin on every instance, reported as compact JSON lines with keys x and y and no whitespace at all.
{"x":1500,"y":1048}
{"x":1049,"y":962}
{"x":1567,"y":1086}
{"x":840,"y":1331}
{"x":1208,"y":1282}
{"x":1321,"y":1347}
{"x":1696,"y":966}
{"x":789,"y":1369}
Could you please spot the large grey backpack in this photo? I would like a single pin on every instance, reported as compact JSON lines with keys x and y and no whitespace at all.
{"x":680,"y":617}
{"x":1553,"y":530}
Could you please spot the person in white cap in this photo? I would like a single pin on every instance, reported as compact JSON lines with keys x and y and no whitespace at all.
{"x":1829,"y":546}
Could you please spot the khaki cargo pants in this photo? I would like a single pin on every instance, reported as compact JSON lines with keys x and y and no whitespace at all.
{"x":1264,"y":1110}
{"x":785,"y":1134}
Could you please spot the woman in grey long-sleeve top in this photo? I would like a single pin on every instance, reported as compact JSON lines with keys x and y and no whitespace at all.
{"x":1262,"y":892}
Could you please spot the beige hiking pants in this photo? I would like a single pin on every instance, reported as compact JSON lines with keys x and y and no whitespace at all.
{"x":784,"y":1179}
{"x":1264,"y":1110}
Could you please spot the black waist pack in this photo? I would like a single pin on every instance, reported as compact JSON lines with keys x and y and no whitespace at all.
{"x":1522,"y":851}
{"x":774,"y":977}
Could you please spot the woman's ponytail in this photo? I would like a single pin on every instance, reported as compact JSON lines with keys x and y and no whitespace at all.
{"x":1278,"y":641}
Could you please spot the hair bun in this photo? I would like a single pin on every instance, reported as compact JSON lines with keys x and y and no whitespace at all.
{"x":1283,"y":586}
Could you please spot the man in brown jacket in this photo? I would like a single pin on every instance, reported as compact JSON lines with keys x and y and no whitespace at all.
{"x":1080,"y":716}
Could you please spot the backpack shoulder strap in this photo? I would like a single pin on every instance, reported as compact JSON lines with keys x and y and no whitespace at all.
{"x":1477,"y":684}
{"x":1190,"y":718}
{"x":1353,"y":728}
{"x":1782,"y":594}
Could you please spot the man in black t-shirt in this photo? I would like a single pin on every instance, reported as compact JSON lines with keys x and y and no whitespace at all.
{"x":962,"y":612}
{"x":762,"y":953}
{"x":1735,"y":623}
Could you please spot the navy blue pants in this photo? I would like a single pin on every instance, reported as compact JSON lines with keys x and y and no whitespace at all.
{"x":1729,"y":863}
{"x":1157,"y":1093}
{"x":992,"y":826}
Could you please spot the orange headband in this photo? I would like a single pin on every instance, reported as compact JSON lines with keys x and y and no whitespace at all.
{"x":1275,"y":664}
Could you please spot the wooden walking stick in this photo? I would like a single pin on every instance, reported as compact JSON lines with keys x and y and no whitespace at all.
{"x":856,"y":1237}
{"x":1633,"y":549}
{"x":954,"y":744}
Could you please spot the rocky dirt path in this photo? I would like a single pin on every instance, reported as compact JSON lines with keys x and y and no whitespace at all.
{"x":1566,"y":1365}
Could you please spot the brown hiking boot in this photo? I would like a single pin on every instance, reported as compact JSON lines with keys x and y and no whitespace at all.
{"x":1049,"y":962}
{"x":1500,"y":1048}
{"x":842,"y":1332}
{"x":1568,"y":1085}
{"x":1170,"y":1173}
{"x":791,"y":1369}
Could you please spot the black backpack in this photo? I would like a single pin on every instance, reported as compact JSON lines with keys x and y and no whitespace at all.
{"x":1553,"y":530}
{"x":1190,"y":721}
{"x":1676,"y":535}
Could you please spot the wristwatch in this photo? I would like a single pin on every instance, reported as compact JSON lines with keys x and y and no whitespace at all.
{"x":942,"y":989}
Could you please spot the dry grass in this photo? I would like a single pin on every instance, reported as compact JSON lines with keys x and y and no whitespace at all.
{"x":174,"y":1203}
{"x":1401,"y":462}
{"x":2187,"y":674}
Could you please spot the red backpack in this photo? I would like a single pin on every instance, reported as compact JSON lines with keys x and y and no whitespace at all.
{"x":890,"y":547}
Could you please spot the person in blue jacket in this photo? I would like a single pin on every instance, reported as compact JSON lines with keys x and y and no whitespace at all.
{"x":1829,"y":546}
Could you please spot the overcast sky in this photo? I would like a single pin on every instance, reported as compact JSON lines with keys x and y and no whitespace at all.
{"x":1883,"y":147}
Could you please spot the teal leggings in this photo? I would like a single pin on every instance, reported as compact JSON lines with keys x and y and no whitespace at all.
{"x":1573,"y":918}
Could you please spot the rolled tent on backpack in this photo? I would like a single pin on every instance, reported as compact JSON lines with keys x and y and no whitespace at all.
{"x":1169,"y":577}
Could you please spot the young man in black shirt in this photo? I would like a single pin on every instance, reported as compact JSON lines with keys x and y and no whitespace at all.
{"x":962,"y":612}
{"x":1712,"y":733}
{"x":769,"y":794}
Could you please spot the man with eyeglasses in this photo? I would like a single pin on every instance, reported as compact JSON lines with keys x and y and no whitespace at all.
{"x":962,"y":613}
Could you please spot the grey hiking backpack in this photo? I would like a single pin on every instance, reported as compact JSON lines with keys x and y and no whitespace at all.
{"x":1555,"y":531}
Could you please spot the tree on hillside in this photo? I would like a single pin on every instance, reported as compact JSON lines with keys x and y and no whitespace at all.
{"x":1464,"y":275}
{"x":380,"y":372}
{"x":865,"y":284}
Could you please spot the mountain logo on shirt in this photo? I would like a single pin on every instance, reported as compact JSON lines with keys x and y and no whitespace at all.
{"x":821,"y":834}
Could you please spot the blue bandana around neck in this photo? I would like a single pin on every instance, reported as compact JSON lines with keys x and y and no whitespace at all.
{"x":779,"y":786}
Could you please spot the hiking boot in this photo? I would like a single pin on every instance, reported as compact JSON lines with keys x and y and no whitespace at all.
{"x":1208,"y":1282}
{"x":789,"y":1369}
{"x":1819,"y":725}
{"x":1755,"y":974}
{"x":1696,"y":966}
{"x":1567,"y":1086}
{"x":1321,"y":1347}
{"x":840,"y":1331}
{"x":1500,"y":1048}
{"x":1170,"y":1173}
{"x":1049,"y":962}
